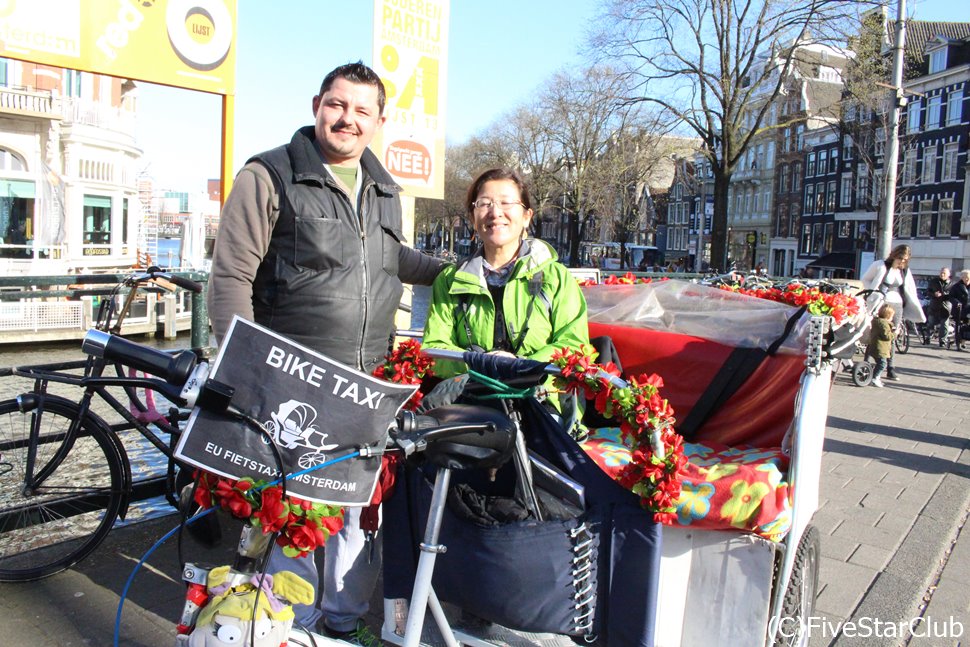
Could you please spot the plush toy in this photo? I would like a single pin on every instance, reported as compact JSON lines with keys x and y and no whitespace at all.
{"x":228,"y":619}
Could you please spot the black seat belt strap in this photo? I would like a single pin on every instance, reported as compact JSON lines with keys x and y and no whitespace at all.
{"x":737,"y":368}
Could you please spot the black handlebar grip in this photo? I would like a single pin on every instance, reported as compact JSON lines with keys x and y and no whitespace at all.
{"x":174,"y":369}
{"x":182,"y":282}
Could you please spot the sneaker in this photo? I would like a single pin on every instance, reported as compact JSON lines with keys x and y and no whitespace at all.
{"x":892,"y":377}
{"x":878,"y":383}
{"x":359,"y":635}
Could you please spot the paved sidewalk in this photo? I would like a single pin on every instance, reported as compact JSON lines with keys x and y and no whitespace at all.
{"x":895,"y":493}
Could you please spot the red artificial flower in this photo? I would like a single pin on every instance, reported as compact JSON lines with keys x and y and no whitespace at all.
{"x":203,"y":491}
{"x":235,"y":502}
{"x":333,"y":524}
{"x":406,"y":364}
{"x":272,"y":513}
{"x":306,"y":537}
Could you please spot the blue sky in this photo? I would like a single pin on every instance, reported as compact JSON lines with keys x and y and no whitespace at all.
{"x":504,"y":47}
{"x":499,"y":51}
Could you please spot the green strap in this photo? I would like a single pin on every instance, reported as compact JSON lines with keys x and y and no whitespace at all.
{"x":503,"y":391}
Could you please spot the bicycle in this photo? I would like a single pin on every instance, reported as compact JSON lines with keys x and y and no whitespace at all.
{"x":65,"y":474}
{"x":901,"y":339}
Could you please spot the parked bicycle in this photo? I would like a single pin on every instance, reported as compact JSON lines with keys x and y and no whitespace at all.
{"x":65,"y":474}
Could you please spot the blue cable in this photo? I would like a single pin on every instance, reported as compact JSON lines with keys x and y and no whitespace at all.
{"x":148,"y":553}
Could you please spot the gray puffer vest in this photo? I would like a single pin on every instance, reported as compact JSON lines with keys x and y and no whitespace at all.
{"x":330,"y":278}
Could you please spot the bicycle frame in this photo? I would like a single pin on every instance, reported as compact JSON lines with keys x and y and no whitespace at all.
{"x":93,"y":382}
{"x":96,"y":385}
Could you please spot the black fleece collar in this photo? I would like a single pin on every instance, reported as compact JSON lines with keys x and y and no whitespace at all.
{"x":308,"y":163}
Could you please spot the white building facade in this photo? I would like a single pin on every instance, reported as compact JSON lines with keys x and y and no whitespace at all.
{"x":69,"y":167}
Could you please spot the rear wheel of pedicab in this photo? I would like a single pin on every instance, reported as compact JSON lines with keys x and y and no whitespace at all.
{"x":862,"y":373}
{"x":798,"y":605}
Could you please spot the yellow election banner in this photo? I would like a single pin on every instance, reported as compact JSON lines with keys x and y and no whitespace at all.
{"x":182,"y":43}
{"x":411,"y":57}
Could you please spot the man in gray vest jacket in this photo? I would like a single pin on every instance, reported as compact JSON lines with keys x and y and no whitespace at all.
{"x":311,"y":245}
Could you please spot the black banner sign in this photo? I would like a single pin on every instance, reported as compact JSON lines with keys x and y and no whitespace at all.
{"x":315,"y":409}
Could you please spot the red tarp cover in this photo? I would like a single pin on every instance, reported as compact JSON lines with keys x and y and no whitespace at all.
{"x":758,"y":414}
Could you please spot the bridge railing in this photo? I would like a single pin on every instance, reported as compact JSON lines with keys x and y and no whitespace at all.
{"x":43,"y":307}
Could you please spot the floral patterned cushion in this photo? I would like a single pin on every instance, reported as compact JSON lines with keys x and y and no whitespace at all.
{"x":723,"y":487}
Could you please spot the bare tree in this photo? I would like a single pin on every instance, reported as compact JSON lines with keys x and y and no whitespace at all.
{"x":708,"y":62}
{"x":462,"y":164}
{"x":638,"y":155}
{"x":584,"y":110}
{"x":526,"y":134}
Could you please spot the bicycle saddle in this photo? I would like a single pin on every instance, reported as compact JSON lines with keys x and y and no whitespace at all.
{"x":471,"y":449}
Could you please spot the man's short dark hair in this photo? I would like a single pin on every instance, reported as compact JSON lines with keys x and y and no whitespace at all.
{"x":356,"y":73}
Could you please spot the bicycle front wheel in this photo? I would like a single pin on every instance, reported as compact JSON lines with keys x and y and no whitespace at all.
{"x":53,"y":525}
{"x":902,"y":339}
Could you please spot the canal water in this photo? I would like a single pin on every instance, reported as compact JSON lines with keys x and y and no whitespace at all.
{"x":145,"y":459}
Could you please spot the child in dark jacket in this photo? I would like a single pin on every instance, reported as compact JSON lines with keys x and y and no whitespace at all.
{"x":881,"y":341}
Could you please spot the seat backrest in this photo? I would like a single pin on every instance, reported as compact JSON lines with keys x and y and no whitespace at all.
{"x":471,"y":449}
{"x":758,"y":414}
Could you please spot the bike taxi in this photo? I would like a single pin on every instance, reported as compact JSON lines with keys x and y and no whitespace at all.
{"x":698,"y":532}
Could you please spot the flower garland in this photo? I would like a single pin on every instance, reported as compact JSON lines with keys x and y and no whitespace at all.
{"x":626,"y":279}
{"x":302,"y":525}
{"x":836,"y":305}
{"x":646,"y":420}
{"x":406,"y":364}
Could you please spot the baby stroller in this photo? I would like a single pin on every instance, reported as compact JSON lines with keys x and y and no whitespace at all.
{"x":850,"y":340}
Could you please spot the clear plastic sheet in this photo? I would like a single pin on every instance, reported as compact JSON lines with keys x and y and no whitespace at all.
{"x":699,"y":310}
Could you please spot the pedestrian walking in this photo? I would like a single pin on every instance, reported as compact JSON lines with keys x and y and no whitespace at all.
{"x":939,"y":307}
{"x":894,"y":282}
{"x":960,"y":298}
{"x":881,"y":335}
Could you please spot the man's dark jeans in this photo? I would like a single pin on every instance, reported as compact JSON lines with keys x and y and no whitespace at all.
{"x":937,"y":321}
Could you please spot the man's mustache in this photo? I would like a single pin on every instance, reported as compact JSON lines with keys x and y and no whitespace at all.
{"x":344,"y":126}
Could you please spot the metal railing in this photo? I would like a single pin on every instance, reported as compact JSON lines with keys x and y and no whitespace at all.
{"x":24,"y":100}
{"x":60,"y":297}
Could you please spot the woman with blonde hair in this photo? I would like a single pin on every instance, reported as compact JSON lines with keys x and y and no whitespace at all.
{"x":894,"y":282}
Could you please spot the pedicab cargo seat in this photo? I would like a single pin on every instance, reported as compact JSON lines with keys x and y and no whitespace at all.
{"x":576,"y":572}
{"x":736,"y":475}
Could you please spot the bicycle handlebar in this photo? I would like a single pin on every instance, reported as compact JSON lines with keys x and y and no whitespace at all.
{"x":154,"y":272}
{"x":174,"y":369}
{"x":502,"y":367}
{"x":151,"y":273}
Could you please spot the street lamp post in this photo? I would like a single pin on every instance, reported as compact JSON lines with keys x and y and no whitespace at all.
{"x":897,"y":101}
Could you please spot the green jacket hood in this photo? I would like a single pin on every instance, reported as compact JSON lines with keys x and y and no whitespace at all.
{"x":536,"y":256}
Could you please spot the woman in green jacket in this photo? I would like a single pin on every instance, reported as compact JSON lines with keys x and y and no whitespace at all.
{"x":511,"y":296}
